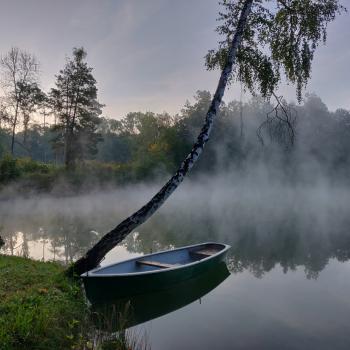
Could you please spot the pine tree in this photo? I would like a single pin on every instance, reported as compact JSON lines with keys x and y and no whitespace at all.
{"x":74,"y":102}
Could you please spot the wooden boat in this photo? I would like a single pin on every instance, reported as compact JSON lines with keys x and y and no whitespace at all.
{"x":152,"y":272}
{"x":140,"y":308}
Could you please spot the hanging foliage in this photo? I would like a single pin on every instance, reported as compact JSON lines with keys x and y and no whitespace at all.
{"x":279,"y":41}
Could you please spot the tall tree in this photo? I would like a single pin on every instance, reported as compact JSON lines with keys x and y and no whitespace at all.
{"x":245,"y":20}
{"x":74,"y":101}
{"x":32,"y":98}
{"x":280,"y":42}
{"x":20,"y":75}
{"x":92,"y":258}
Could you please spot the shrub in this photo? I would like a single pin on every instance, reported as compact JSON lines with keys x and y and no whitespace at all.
{"x":28,"y":165}
{"x":9,"y":169}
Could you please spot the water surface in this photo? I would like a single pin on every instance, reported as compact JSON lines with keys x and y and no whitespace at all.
{"x":288,"y":286}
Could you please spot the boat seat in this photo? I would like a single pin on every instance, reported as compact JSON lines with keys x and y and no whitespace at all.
{"x":155,"y":263}
{"x":204,"y":252}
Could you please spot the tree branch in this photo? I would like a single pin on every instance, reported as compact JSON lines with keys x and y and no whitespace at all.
{"x":276,"y":124}
{"x":284,"y":4}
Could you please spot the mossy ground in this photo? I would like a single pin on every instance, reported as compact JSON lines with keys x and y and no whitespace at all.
{"x":40,"y":308}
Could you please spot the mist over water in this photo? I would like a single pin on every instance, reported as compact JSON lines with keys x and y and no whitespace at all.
{"x":258,"y":213}
{"x":289,"y":260}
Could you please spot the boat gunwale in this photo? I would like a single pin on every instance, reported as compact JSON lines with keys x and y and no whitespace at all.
{"x":92,"y":273}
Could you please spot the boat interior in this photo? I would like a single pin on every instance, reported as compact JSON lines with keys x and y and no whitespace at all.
{"x":163,"y":260}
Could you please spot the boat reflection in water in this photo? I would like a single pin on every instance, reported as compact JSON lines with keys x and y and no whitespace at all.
{"x":116,"y":314}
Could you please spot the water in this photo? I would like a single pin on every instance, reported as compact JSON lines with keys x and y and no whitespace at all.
{"x":288,"y":286}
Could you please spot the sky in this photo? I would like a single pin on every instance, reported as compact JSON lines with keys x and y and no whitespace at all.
{"x":148,"y":55}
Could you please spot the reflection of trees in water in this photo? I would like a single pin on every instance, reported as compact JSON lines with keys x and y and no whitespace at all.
{"x":15,"y":244}
{"x":288,"y":249}
{"x":289,"y":242}
{"x":54,"y":246}
{"x":254,"y":251}
{"x":24,"y":248}
{"x":69,"y":237}
{"x":9,"y":240}
{"x":65,"y":238}
{"x":166,"y":232}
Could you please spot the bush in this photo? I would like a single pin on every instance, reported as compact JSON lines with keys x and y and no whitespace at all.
{"x":27,"y":165}
{"x":30,"y":175}
{"x":9,"y":169}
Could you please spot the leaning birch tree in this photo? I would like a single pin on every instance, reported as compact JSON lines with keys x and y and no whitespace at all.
{"x":262,"y":42}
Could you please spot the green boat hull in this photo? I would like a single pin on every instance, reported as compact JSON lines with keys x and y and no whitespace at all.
{"x":102,"y":288}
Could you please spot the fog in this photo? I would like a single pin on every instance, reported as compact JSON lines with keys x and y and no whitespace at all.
{"x":275,"y":203}
{"x":255,"y":213}
{"x":256,"y":197}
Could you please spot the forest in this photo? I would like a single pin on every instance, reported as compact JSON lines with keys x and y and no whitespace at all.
{"x":61,"y":141}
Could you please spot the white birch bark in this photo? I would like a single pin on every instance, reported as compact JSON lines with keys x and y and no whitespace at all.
{"x":93,"y":257}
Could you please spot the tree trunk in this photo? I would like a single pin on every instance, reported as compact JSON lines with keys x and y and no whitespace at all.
{"x":26,"y":118}
{"x":69,"y":158}
{"x":241,"y":115}
{"x":93,"y":257}
{"x":13,"y":139}
{"x":14,"y":129}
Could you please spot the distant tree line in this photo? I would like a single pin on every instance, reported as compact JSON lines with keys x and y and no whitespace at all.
{"x":143,"y":145}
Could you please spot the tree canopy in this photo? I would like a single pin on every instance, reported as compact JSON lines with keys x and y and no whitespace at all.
{"x":280,"y":40}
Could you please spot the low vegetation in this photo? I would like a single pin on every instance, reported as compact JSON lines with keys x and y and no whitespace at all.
{"x":25,"y":175}
{"x":42,"y":309}
{"x":39,"y":307}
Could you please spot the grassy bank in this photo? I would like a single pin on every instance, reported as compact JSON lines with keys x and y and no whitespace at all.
{"x":42,"y":309}
{"x":39,"y":307}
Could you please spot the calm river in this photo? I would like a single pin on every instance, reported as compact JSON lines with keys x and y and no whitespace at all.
{"x":287,"y":285}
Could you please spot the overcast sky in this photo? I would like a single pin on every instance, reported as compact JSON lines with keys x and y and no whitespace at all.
{"x":148,"y":54}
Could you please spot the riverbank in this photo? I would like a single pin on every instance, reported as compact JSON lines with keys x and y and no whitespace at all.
{"x":39,"y":307}
{"x":42,"y":309}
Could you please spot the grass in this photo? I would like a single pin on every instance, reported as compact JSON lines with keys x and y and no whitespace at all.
{"x":112,"y":321}
{"x":39,"y":307}
{"x":42,"y":309}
